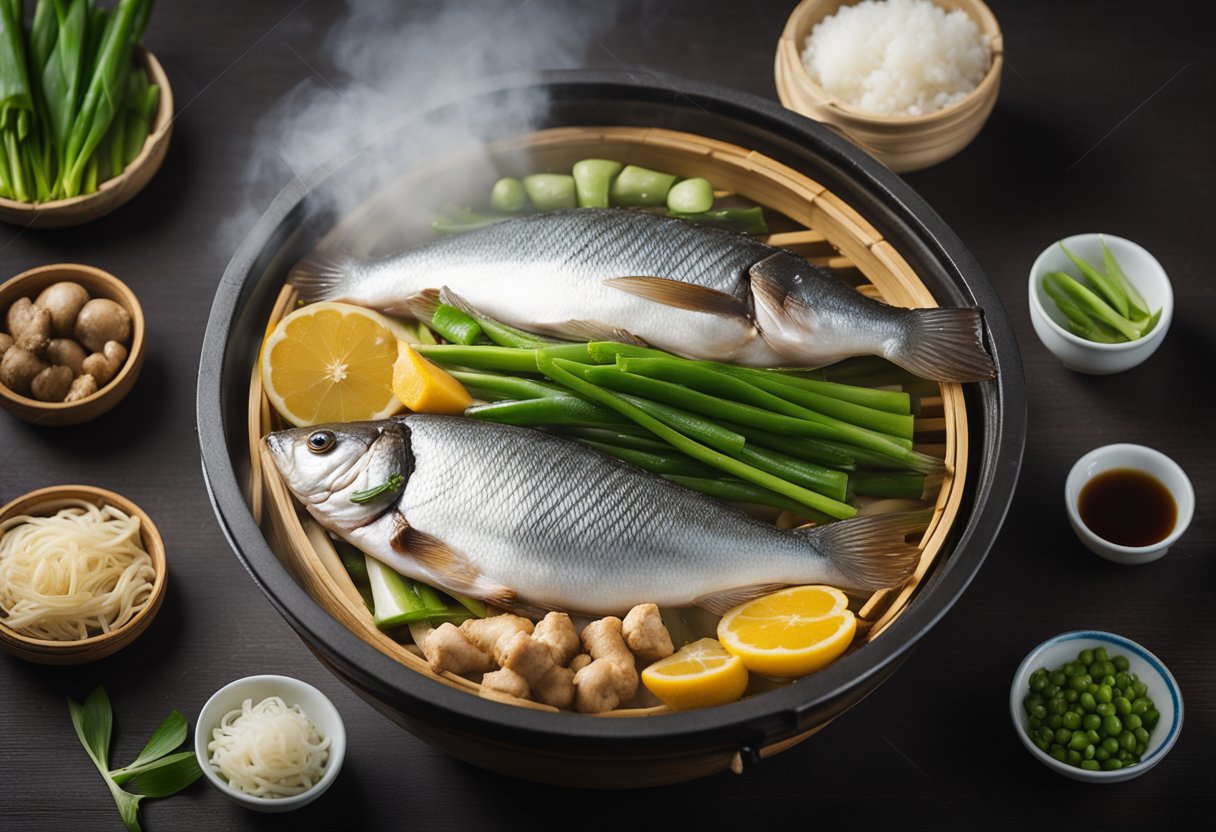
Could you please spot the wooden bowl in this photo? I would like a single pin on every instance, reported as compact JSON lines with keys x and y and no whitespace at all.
{"x":46,"y":501}
{"x":114,"y":192}
{"x":100,"y":284}
{"x":903,"y":143}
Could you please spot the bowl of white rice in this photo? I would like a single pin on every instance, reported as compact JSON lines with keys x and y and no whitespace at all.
{"x":909,"y":81}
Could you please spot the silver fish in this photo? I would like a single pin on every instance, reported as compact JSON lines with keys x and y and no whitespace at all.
{"x":529,"y":521}
{"x":699,"y":292}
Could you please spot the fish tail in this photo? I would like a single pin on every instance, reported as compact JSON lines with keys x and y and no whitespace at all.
{"x":321,"y":276}
{"x":872,"y":552}
{"x":944,"y":345}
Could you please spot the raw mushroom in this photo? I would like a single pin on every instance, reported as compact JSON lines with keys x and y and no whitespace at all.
{"x":102,"y":320}
{"x":64,"y":301}
{"x":52,"y":384}
{"x":18,"y":368}
{"x":67,"y":352}
{"x":104,"y":365}
{"x":6,"y":341}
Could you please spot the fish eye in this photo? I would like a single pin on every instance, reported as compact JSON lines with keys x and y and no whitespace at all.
{"x":321,"y":441}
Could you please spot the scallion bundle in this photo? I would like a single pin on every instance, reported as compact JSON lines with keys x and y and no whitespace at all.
{"x":1102,"y":306}
{"x":75,"y":109}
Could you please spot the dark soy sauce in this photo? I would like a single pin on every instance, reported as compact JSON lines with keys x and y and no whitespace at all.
{"x":1128,"y":507}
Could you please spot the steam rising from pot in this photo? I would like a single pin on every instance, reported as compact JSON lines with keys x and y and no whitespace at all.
{"x":369,"y":105}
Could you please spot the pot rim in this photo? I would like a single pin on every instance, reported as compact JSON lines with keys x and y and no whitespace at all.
{"x":754,"y":721}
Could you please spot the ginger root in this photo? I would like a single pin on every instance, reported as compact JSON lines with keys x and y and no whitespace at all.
{"x":447,"y":648}
{"x":548,"y":682}
{"x":612,"y":676}
{"x":556,"y":631}
{"x":494,"y":633}
{"x":505,"y":681}
{"x":646,"y":634}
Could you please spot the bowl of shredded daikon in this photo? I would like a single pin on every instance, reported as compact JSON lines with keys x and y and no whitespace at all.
{"x":270,"y":743}
{"x":82,"y":574}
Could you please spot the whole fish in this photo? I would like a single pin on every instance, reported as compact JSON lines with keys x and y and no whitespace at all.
{"x":618,"y":274}
{"x":528,"y":521}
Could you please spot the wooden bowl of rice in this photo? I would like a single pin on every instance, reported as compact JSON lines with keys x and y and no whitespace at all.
{"x":45,"y":502}
{"x":902,"y":142}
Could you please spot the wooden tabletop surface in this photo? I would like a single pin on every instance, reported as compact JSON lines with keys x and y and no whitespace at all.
{"x":1104,"y":123}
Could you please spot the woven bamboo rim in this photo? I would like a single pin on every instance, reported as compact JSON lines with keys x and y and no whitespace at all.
{"x":821,"y":227}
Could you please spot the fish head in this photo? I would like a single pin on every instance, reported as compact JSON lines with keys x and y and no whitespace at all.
{"x":331,"y":468}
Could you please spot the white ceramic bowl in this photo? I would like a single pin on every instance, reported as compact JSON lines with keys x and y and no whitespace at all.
{"x":1141,"y":268}
{"x":1155,"y":464}
{"x":292,"y":691}
{"x":1162,"y":689}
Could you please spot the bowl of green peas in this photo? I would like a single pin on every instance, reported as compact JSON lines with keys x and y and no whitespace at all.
{"x":1095,"y":706}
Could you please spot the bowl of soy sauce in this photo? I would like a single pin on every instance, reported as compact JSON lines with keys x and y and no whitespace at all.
{"x":1128,"y":503}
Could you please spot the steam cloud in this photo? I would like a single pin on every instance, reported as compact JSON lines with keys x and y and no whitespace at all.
{"x":386,"y":62}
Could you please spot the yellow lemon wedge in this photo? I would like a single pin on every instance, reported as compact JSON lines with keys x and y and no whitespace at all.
{"x":790,"y":633}
{"x":331,"y":362}
{"x":424,"y":387}
{"x":699,"y":675}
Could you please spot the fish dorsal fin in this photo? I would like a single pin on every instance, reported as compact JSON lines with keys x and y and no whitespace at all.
{"x":446,"y":295}
{"x":452,"y":568}
{"x":719,"y":602}
{"x":681,"y":295}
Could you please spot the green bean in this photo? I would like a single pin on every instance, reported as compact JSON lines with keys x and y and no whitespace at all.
{"x":493,"y":387}
{"x":668,"y":463}
{"x":831,"y":483}
{"x":509,"y":196}
{"x":691,"y":425}
{"x":455,"y":326}
{"x":691,"y":196}
{"x":620,"y":437}
{"x":551,"y":191}
{"x":560,"y":371}
{"x":639,"y":186}
{"x":556,"y":410}
{"x":812,"y":450}
{"x":898,"y":485}
{"x":1109,"y":288}
{"x":1094,"y":305}
{"x":738,"y":491}
{"x":772,"y":395}
{"x":592,"y":181}
{"x":1137,"y":306}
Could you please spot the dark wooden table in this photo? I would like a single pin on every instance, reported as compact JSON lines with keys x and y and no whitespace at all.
{"x":1104,"y":123}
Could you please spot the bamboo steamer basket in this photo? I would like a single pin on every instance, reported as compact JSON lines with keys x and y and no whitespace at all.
{"x":903,"y":143}
{"x":815,"y":223}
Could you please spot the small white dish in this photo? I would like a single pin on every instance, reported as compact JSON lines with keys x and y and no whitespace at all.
{"x":1137,"y":457}
{"x":1050,"y":324}
{"x":293,"y":692}
{"x":1162,"y":689}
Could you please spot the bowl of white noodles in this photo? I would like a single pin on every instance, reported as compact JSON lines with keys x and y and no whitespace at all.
{"x":82,"y":574}
{"x":270,"y":743}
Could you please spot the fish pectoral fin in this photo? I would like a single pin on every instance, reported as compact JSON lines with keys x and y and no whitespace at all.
{"x":451,"y":567}
{"x":423,"y":305}
{"x":719,"y":602}
{"x":681,"y":295}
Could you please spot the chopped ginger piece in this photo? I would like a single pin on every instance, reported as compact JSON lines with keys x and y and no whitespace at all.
{"x":425,"y":388}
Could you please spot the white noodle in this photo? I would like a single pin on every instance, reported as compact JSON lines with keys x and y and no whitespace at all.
{"x":269,"y":749}
{"x":81,"y":572}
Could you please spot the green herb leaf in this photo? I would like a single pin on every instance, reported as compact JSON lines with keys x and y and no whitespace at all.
{"x":168,"y":775}
{"x":128,"y":806}
{"x":170,"y":734}
{"x":93,"y":722}
{"x":366,"y":496}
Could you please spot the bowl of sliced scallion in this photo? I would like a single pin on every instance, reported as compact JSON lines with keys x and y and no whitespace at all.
{"x":1100,"y":303}
{"x":74,"y":151}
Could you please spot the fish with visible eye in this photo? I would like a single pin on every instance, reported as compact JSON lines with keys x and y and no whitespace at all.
{"x":529,"y":521}
{"x":625,"y":275}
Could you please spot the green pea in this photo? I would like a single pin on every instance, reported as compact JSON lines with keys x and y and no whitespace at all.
{"x":1039,"y":683}
{"x":1038,"y":712}
{"x":1080,"y":739}
{"x":1140,"y":748}
{"x":1063,"y":735}
{"x":1090,"y":765}
{"x":1150,"y":718}
{"x":1034,"y":723}
{"x":1071,"y":720}
{"x":1093,"y":736}
{"x":1089,"y":751}
{"x":1105,"y":709}
{"x":1086,"y":657}
{"x":1139,"y":687}
{"x":1122,"y":680}
{"x":1112,"y":765}
{"x":1087,"y":701}
{"x":1092,"y":687}
{"x":1140,"y":706}
{"x":1104,"y":694}
{"x":1094,"y":670}
{"x":1126,"y":757}
{"x":1054,"y":721}
{"x":1122,"y":706}
{"x":1121,"y":663}
{"x":1100,"y":654}
{"x":1041,"y":744}
{"x":1140,"y":734}
{"x":1113,"y":726}
{"x":1080,"y":682}
{"x":1127,"y":740}
{"x":1047,"y":735}
{"x":1131,"y":722}
{"x":1059,"y":753}
{"x":1108,"y":681}
{"x":1110,"y":745}
{"x":1074,"y":758}
{"x":1070,"y":695}
{"x":1057,"y":705}
{"x":1058,"y":677}
{"x":1101,"y":755}
{"x":1091,"y":722}
{"x":1052,"y":690}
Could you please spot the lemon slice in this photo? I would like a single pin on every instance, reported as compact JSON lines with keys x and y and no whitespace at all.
{"x":790,"y":633}
{"x":331,"y":362}
{"x":699,"y":675}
